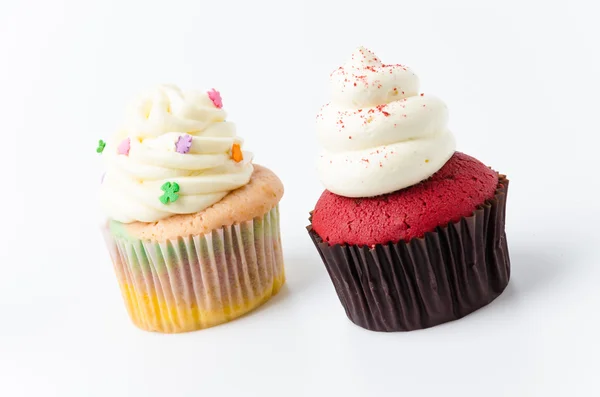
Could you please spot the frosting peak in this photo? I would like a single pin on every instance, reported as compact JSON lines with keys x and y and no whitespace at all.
{"x":166,"y":108}
{"x":172,"y":139}
{"x":379,"y":134}
{"x":362,"y":57}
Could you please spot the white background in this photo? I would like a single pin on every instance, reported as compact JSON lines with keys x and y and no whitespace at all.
{"x":521,"y":81}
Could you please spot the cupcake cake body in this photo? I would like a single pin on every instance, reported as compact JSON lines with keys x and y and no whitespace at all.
{"x":454,"y":192}
{"x":193,"y":225}
{"x":411,"y":232}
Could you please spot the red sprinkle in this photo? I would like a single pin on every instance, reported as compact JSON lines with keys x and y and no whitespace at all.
{"x":380,"y":108}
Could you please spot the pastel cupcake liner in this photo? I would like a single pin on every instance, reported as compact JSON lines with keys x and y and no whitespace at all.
{"x":199,"y":281}
{"x":441,"y":277}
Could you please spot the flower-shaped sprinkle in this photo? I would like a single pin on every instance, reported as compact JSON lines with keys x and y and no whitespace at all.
{"x":215,"y":97}
{"x":124,"y":147}
{"x":101,"y":146}
{"x":170,"y":189}
{"x":236,"y":153}
{"x":184,"y":143}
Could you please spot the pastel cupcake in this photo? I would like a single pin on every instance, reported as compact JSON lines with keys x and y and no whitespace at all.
{"x":410,"y":231}
{"x":192,"y":225}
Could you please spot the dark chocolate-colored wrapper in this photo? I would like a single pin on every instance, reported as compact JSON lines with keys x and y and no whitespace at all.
{"x":427,"y":281}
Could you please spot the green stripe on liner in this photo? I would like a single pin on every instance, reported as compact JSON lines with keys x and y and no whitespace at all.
{"x":145,"y":260}
{"x":117,"y":230}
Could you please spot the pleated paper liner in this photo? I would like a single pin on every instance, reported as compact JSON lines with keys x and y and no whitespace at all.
{"x":441,"y":277}
{"x":195,"y":282}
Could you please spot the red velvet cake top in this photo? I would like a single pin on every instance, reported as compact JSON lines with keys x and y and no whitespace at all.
{"x":455,"y":191}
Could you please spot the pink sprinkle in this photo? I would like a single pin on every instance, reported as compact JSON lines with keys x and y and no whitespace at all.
{"x":215,"y":97}
{"x":124,"y":147}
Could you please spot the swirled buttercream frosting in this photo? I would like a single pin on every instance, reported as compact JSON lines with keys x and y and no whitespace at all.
{"x":379,"y":134}
{"x":176,"y":154}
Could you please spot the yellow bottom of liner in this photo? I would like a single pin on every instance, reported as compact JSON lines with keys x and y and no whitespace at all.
{"x":151,"y":313}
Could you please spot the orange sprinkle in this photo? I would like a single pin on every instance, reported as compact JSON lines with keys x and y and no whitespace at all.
{"x":236,"y":153}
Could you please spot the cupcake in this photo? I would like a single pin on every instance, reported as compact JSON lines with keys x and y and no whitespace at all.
{"x":192,"y":226}
{"x":411,"y":232}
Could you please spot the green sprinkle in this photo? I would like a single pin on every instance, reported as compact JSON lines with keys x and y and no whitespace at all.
{"x":170,"y":189}
{"x":101,"y":146}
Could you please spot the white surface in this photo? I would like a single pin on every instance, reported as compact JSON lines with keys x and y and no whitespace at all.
{"x":521,"y":82}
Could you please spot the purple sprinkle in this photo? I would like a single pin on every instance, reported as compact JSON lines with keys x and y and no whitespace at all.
{"x":183,"y":144}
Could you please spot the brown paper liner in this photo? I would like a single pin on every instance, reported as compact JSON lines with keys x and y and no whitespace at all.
{"x":441,"y":277}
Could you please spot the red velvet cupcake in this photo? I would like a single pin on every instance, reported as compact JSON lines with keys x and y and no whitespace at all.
{"x":410,"y":231}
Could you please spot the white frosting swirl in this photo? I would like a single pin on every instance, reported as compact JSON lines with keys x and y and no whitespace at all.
{"x":379,"y":134}
{"x":205,"y":174}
